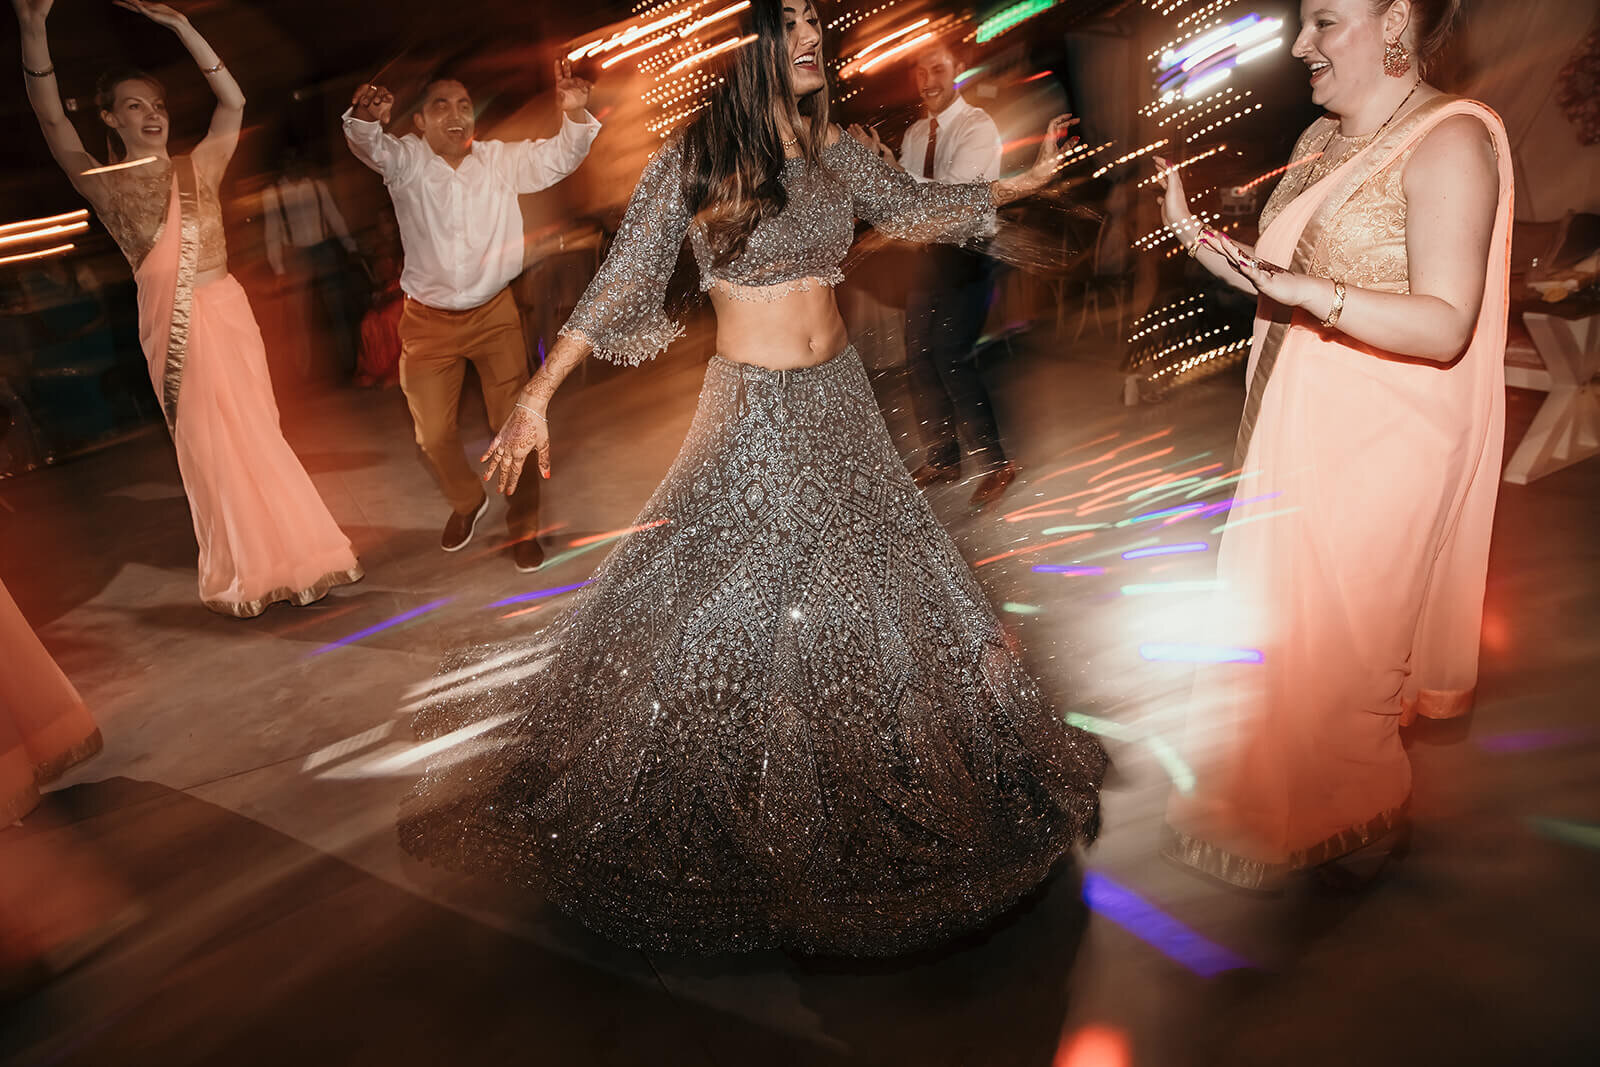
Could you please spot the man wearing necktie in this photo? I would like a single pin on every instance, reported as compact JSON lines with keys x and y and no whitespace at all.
{"x":949,"y":298}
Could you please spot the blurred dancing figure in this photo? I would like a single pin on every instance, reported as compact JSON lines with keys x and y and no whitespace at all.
{"x":44,"y":727}
{"x":949,"y":300}
{"x":1370,"y":445}
{"x":782,"y":713}
{"x":456,"y":201}
{"x":264,"y":533}
{"x":305,"y":231}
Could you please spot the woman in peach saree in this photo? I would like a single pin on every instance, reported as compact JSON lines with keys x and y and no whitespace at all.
{"x":263,"y":531}
{"x":1353,"y":567}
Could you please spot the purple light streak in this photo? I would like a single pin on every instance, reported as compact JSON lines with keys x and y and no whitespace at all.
{"x":1166,"y":550}
{"x":1156,"y":928}
{"x":387,"y":624}
{"x":1199,"y":654}
{"x":1070,"y":572}
{"x":539,"y":594}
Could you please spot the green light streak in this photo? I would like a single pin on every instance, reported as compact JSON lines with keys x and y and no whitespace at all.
{"x":1011,"y":17}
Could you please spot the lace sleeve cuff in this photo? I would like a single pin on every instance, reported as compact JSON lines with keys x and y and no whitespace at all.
{"x":643,"y":341}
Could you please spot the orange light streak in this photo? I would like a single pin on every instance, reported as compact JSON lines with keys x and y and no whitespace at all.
{"x":709,"y":19}
{"x":71,"y":216}
{"x":881,"y":41}
{"x":899,"y":49}
{"x":61,"y":230}
{"x":714,"y":50}
{"x":593,"y":538}
{"x":126,"y":164}
{"x":654,"y":42}
{"x":23,"y":257}
{"x":1131,"y":463}
{"x":521,"y":611}
{"x":1101,"y":459}
{"x":1025,"y":549}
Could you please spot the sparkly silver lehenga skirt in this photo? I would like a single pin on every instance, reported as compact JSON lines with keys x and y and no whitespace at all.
{"x":781,"y":714}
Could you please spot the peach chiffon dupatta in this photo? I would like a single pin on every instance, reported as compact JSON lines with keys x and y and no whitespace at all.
{"x":264,"y":533}
{"x":44,"y":727}
{"x":1354,"y":562}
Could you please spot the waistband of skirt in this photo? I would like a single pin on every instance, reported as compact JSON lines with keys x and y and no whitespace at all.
{"x":839,"y":363}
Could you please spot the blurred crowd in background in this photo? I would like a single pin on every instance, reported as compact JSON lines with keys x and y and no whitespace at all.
{"x":312,"y":236}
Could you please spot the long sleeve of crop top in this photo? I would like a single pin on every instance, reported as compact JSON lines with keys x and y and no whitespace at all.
{"x":622,"y":314}
{"x":902,"y":207}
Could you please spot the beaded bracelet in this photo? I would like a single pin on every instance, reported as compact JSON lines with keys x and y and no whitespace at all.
{"x":532,"y":412}
{"x":1338,"y":306}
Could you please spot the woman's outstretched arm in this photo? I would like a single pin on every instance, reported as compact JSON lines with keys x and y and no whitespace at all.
{"x":45,"y":97}
{"x":213,"y":153}
{"x":526,"y":431}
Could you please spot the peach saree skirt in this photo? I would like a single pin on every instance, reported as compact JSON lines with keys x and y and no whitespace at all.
{"x":1355,"y":565}
{"x":263,"y":531}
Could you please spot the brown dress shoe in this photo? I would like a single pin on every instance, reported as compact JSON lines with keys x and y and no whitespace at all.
{"x":993,"y":485}
{"x":458,"y":530}
{"x":528,"y":555}
{"x":927,"y":474}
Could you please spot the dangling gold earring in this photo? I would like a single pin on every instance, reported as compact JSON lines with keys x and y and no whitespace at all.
{"x":1396,"y":60}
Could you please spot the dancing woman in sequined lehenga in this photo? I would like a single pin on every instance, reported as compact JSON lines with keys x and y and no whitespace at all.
{"x":782,"y":713}
{"x":263,"y":531}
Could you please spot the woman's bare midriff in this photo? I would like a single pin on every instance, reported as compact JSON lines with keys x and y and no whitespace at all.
{"x":800,"y":328}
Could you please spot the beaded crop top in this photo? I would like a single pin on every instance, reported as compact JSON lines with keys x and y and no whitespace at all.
{"x":135,"y":209}
{"x":622,"y":313}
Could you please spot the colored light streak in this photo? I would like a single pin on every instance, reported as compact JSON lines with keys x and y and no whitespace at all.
{"x":899,"y":49}
{"x":1151,"y":516}
{"x":539,"y":594}
{"x":1029,"y":549}
{"x":1586,"y":835}
{"x":387,"y":624}
{"x":709,"y":53}
{"x":1160,"y":490}
{"x":1532,"y":740}
{"x":51,"y":220}
{"x":124,"y":165}
{"x":49,"y":231}
{"x":1248,"y":519}
{"x":1100,"y":727}
{"x":23,"y":257}
{"x":521,"y":611}
{"x":628,"y":36}
{"x":1207,"y":585}
{"x":615,"y":534}
{"x":1021,"y":609}
{"x":1181,"y":773}
{"x":1105,"y":456}
{"x":1125,"y":908}
{"x":1009,"y":18}
{"x":654,"y":42}
{"x":726,"y":12}
{"x":895,"y":36}
{"x":1167,"y":550}
{"x":1068,"y":571}
{"x":1184,"y":653}
{"x":1125,"y":464}
{"x":1076,"y":529}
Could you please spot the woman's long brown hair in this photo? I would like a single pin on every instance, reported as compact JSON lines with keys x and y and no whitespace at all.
{"x":733,"y":155}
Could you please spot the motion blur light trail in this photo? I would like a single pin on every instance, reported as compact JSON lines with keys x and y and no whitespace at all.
{"x":1167,"y":550}
{"x":1232,"y":523}
{"x":387,"y":624}
{"x":1156,"y":928}
{"x":539,"y":594}
{"x":1177,"y":653}
{"x":1026,"y":549}
{"x":1069,"y":571}
{"x":1586,"y":835}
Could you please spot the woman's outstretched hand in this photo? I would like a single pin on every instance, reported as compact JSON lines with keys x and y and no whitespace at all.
{"x":524,"y":433}
{"x":1174,"y":200}
{"x":1276,"y":283}
{"x":160,"y":14}
{"x":1053,"y":149}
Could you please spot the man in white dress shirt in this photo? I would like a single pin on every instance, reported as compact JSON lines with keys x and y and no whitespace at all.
{"x":949,"y":299}
{"x":455,"y":199}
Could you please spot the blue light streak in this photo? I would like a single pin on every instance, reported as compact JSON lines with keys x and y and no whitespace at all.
{"x":1156,"y":928}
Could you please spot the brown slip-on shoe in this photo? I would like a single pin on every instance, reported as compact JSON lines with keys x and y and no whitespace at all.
{"x":993,"y":484}
{"x":527,"y":554}
{"x":458,"y":530}
{"x":927,"y":474}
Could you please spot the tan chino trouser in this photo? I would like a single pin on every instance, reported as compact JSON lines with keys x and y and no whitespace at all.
{"x":435,"y":346}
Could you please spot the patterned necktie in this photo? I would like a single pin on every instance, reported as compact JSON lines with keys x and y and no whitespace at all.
{"x":933,"y":142}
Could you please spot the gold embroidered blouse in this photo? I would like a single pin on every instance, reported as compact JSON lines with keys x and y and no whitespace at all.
{"x":1365,"y":244}
{"x":135,"y":208}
